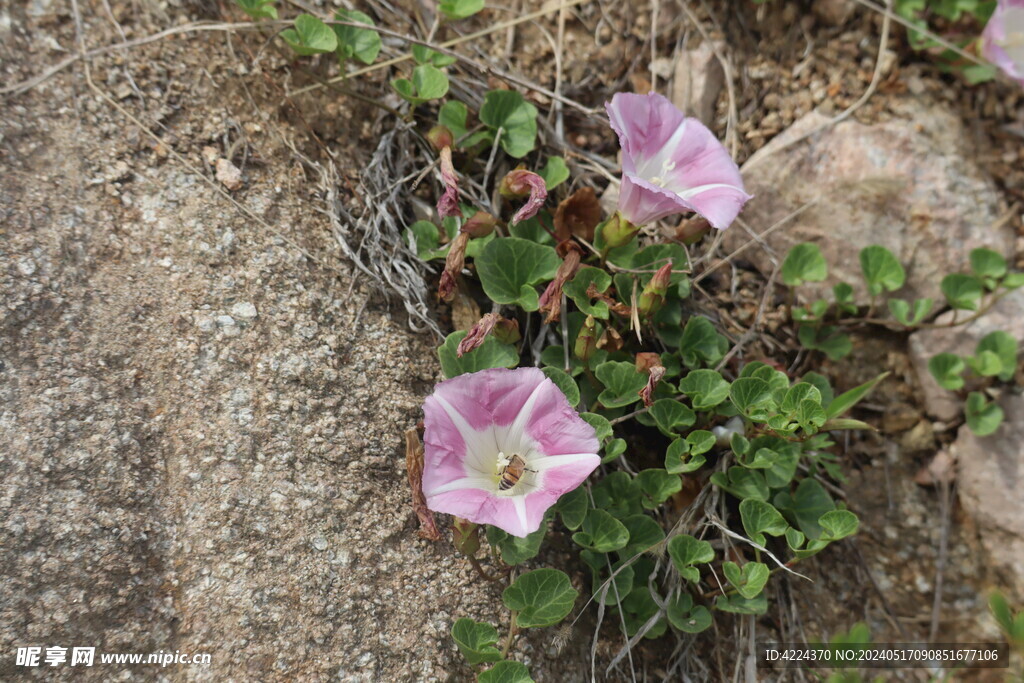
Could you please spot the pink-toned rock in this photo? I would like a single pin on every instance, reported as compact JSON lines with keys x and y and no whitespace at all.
{"x":833,"y":12}
{"x":990,"y":472}
{"x":228,"y":174}
{"x":697,"y":82}
{"x":1006,"y":315}
{"x":909,"y":184}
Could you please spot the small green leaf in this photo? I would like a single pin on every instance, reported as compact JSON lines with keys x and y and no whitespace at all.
{"x":761,"y":518}
{"x":613,"y":449}
{"x":508,"y":671}
{"x":701,"y":441}
{"x":452,"y":115}
{"x":601,"y":532}
{"x":621,"y":381}
{"x":644,"y":534}
{"x":686,"y":551}
{"x":705,"y":388}
{"x":510,"y":268}
{"x":804,"y":263}
{"x":657,"y":486}
{"x":517,"y":118}
{"x":460,"y":9}
{"x":423,"y":236}
{"x":565,"y":383}
{"x":542,"y":597}
{"x":554,"y":173}
{"x":827,"y":339}
{"x":671,"y":415}
{"x":742,"y":483}
{"x":1013,"y":280}
{"x":737,"y":604}
{"x":363,"y":44}
{"x":848,"y":399}
{"x":838,"y":524}
{"x":576,"y":289}
{"x":310,"y":36}
{"x":259,"y":9}
{"x":700,"y":343}
{"x":573,"y":506}
{"x":987,"y":263}
{"x":490,"y":354}
{"x":679,"y":459}
{"x":798,"y":393}
{"x":900,"y":310}
{"x":946,"y":368}
{"x":1004,"y":347}
{"x":748,"y":580}
{"x":985,"y":364}
{"x":749,"y":394}
{"x":600,"y":424}
{"x":882,"y":270}
{"x":514,"y":549}
{"x":428,"y":83}
{"x":962,"y":291}
{"x":475,"y":641}
{"x":422,"y":54}
{"x":806,"y":506}
{"x":684,"y":616}
{"x":982,"y":416}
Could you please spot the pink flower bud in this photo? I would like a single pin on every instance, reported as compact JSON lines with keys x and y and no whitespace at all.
{"x":448,"y":204}
{"x":480,"y":224}
{"x":504,"y":330}
{"x":465,"y":536}
{"x":654,"y":293}
{"x":551,"y":299}
{"x":521,"y":183}
{"x":440,"y":137}
{"x":453,"y":265}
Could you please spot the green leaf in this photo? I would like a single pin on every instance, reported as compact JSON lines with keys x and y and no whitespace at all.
{"x":618,"y":494}
{"x":761,"y":518}
{"x":847,"y":400}
{"x":428,"y":83}
{"x":517,"y":118}
{"x":962,"y":291}
{"x":422,"y":54}
{"x":490,"y":354}
{"x":987,"y":263}
{"x":460,"y":9}
{"x":424,"y":236}
{"x":748,"y":580}
{"x":670,"y":415}
{"x":900,"y":310}
{"x":475,"y":641}
{"x":644,"y":534}
{"x":310,"y":36}
{"x":1013,"y":280}
{"x":882,"y":270}
{"x":259,"y":9}
{"x":576,"y":289}
{"x":804,"y":263}
{"x":679,"y":459}
{"x":823,"y":385}
{"x":985,"y":364}
{"x":806,"y":506}
{"x":613,"y":449}
{"x":684,"y":616}
{"x":982,"y":416}
{"x":573,"y":506}
{"x":508,"y":671}
{"x":827,"y":339}
{"x":705,"y":388}
{"x":1004,"y":347}
{"x":845,"y":423}
{"x":700,"y":343}
{"x":797,"y":393}
{"x":363,"y":44}
{"x":452,"y":115}
{"x":686,"y":551}
{"x":838,"y":524}
{"x":606,"y":588}
{"x":554,"y":173}
{"x":701,"y":441}
{"x":600,"y":424}
{"x":742,"y":483}
{"x":601,"y":532}
{"x":542,"y":597}
{"x":657,"y":486}
{"x":621,"y":381}
{"x":737,"y":604}
{"x":749,"y":394}
{"x":510,"y":268}
{"x":946,"y":368}
{"x":565,"y":383}
{"x":513,"y":549}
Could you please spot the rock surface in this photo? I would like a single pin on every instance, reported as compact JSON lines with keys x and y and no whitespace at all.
{"x":990,"y":472}
{"x":1006,"y":315}
{"x":908,"y":183}
{"x":697,"y":81}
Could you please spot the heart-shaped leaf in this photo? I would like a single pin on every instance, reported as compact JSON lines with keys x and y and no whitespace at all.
{"x":565,"y":383}
{"x":510,"y":268}
{"x":517,"y":119}
{"x":644,"y":534}
{"x":838,"y":524}
{"x":806,"y":506}
{"x":687,"y":551}
{"x":705,"y":388}
{"x":576,"y":289}
{"x":422,"y":54}
{"x":310,"y":36}
{"x":804,"y":263}
{"x":947,"y":369}
{"x":621,"y":381}
{"x":986,"y":263}
{"x":700,"y":343}
{"x":542,"y":597}
{"x":508,"y":671}
{"x":962,"y":291}
{"x":427,"y":83}
{"x":882,"y":270}
{"x":679,"y":459}
{"x":460,"y":9}
{"x":490,"y":354}
{"x":737,"y":604}
{"x":601,"y":532}
{"x":684,"y":616}
{"x":982,"y":416}
{"x":554,"y":173}
{"x":573,"y":506}
{"x":1004,"y":346}
{"x":742,"y":483}
{"x":259,"y":9}
{"x":475,"y":641}
{"x":761,"y":518}
{"x":657,"y":486}
{"x":748,"y":580}
{"x":363,"y":44}
{"x":670,"y":415}
{"x":514,"y":549}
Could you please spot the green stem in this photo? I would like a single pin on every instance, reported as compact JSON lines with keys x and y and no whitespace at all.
{"x":513,"y":629}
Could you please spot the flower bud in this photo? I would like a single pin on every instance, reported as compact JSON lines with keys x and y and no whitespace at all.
{"x":520,"y":183}
{"x":618,"y":231}
{"x":465,"y":536}
{"x":448,"y":204}
{"x":480,"y":224}
{"x":655,"y":372}
{"x":551,"y":299}
{"x":440,"y":137}
{"x":504,"y":330}
{"x":586,"y":340}
{"x":654,"y":293}
{"x":453,"y":265}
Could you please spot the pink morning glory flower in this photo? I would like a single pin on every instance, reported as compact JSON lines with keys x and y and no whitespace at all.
{"x":1003,"y":38}
{"x":671,"y":164}
{"x":476,"y":424}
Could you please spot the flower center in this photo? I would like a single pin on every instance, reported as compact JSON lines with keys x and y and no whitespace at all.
{"x":513,"y":474}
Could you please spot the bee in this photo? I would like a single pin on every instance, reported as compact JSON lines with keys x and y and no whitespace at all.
{"x":512,"y":472}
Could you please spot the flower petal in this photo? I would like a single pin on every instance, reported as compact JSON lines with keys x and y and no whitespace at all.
{"x":643,"y":123}
{"x":1003,"y":38}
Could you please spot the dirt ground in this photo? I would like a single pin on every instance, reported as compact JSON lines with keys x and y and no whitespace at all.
{"x":203,"y":402}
